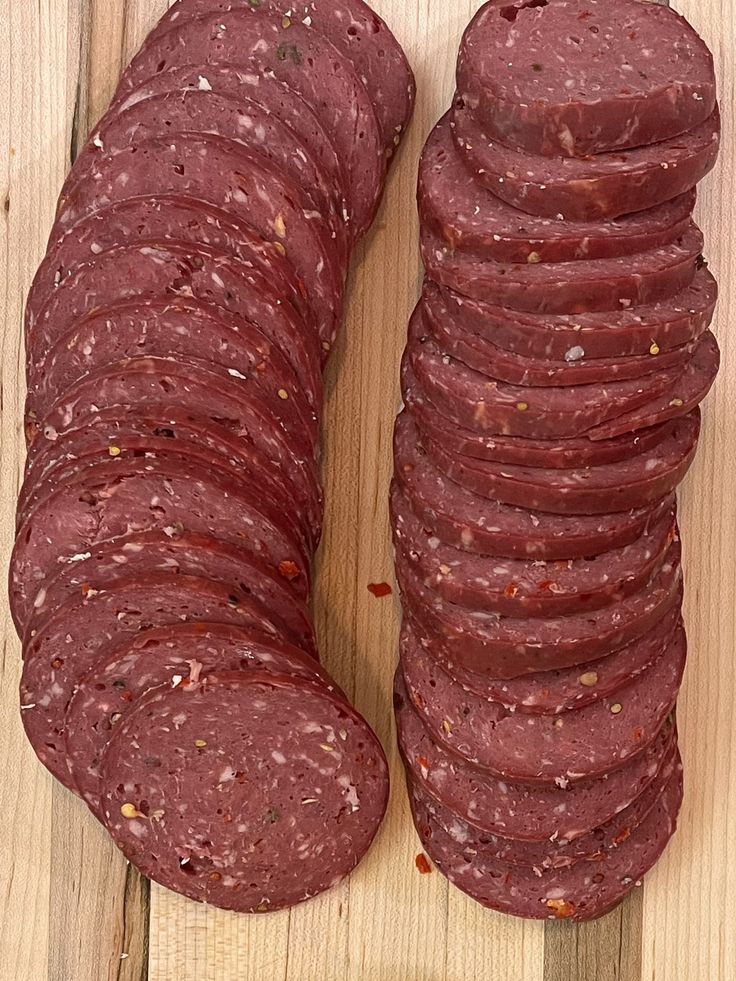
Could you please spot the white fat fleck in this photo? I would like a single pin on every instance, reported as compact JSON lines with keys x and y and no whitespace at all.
{"x":236,"y":374}
{"x":575,"y":354}
{"x":203,"y":84}
{"x":79,"y":557}
{"x":278,"y":757}
{"x":98,"y":141}
{"x":176,"y":680}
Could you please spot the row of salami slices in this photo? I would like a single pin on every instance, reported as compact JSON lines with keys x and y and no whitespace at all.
{"x":552,"y":378}
{"x":176,"y":333}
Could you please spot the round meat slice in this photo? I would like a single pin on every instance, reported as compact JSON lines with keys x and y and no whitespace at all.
{"x":510,"y":647}
{"x":270,"y":789}
{"x":201,"y":110}
{"x":231,"y":177}
{"x":684,"y":397}
{"x":484,"y":526}
{"x":483,"y":355}
{"x":551,"y":693}
{"x":522,"y":812}
{"x":71,"y":641}
{"x":466,"y":216}
{"x":596,"y":846}
{"x":255,"y":39}
{"x":190,"y":333}
{"x":579,"y":745}
{"x":581,"y":286}
{"x":149,"y":270}
{"x":584,"y":76}
{"x":139,"y":383}
{"x":634,"y":332}
{"x":474,"y":401}
{"x":526,"y":587}
{"x":635,"y":483}
{"x":604,"y":187}
{"x":550,"y":454}
{"x":179,"y":554}
{"x":103,"y":501}
{"x":175,"y":655}
{"x":192,"y":436}
{"x":581,"y":893}
{"x":357,"y":31}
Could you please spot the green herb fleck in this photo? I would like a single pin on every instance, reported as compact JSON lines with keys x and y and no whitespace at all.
{"x":273,"y":814}
{"x":289,"y":51}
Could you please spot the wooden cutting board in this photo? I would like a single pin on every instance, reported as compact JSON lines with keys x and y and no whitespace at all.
{"x":71,"y":910}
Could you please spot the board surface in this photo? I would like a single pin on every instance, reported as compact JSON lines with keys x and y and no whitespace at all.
{"x":70,"y":909}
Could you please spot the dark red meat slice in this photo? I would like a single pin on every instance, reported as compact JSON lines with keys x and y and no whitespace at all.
{"x":189,"y":333}
{"x":95,"y":621}
{"x":687,"y":393}
{"x":357,"y":31}
{"x":193,"y":437}
{"x":667,"y":325}
{"x":228,"y":176}
{"x":581,"y":893}
{"x":468,"y":217}
{"x":173,"y":655}
{"x":577,"y":77}
{"x":603,"y":187}
{"x":194,"y":388}
{"x":179,"y":553}
{"x":150,"y":270}
{"x":635,"y":483}
{"x":104,"y":501}
{"x":596,"y":846}
{"x":524,"y":812}
{"x":260,"y":817}
{"x":581,"y":286}
{"x":247,"y":123}
{"x":509,"y":647}
{"x":526,"y":587}
{"x":474,"y":401}
{"x":255,"y":38}
{"x":482,"y":525}
{"x":562,"y":454}
{"x":578,"y":745}
{"x":551,"y":693}
{"x":481,"y":354}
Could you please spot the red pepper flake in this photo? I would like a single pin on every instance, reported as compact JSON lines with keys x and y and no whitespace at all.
{"x":638,"y":733}
{"x":547,"y":584}
{"x":561,"y":908}
{"x":57,"y":663}
{"x":289,"y":570}
{"x":423,"y":762}
{"x":126,"y":696}
{"x":379,"y":589}
{"x":511,"y":590}
{"x":622,"y":836}
{"x":422,"y":864}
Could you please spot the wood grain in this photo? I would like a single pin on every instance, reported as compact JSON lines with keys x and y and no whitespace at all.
{"x":72,"y":910}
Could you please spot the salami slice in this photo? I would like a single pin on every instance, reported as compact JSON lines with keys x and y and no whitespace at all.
{"x":577,"y":745}
{"x":228,"y":176}
{"x":582,"y":286}
{"x":523,"y":812}
{"x":484,"y":526}
{"x":175,"y":655}
{"x":525,"y":587}
{"x":189,"y":333}
{"x":150,"y":270}
{"x":584,"y":76}
{"x":196,"y":437}
{"x":201,"y":110}
{"x":271,"y":789}
{"x":96,"y":620}
{"x":554,"y":692}
{"x":635,"y":483}
{"x":466,"y":216}
{"x":551,"y":454}
{"x":357,"y":31}
{"x":254,"y":38}
{"x":474,"y":401}
{"x":603,"y":187}
{"x":179,"y":553}
{"x":580,"y":893}
{"x":103,"y":501}
{"x":510,"y":647}
{"x":637,"y":331}
{"x":596,"y":846}
{"x":689,"y":391}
